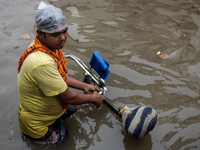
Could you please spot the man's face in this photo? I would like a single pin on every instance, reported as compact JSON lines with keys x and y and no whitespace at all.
{"x":53,"y":40}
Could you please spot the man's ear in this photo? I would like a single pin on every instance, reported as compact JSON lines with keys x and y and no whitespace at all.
{"x":41,"y":35}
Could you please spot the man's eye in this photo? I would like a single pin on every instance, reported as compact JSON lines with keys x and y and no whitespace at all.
{"x":55,"y":34}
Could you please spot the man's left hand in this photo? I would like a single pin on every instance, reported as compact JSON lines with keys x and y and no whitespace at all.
{"x":89,"y":89}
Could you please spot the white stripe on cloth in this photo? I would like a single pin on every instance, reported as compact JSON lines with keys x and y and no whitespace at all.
{"x":135,"y":120}
{"x":146,"y":122}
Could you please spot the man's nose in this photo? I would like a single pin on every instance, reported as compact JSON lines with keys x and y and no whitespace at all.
{"x":62,"y":37}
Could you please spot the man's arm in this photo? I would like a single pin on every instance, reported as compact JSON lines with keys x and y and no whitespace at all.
{"x":71,"y":82}
{"x":88,"y":88}
{"x":75,"y":98}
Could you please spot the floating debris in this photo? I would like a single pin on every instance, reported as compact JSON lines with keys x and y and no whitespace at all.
{"x":162,"y":55}
{"x":135,"y":55}
{"x":16,"y":47}
{"x":25,"y":36}
{"x":11,"y":133}
{"x":191,"y":6}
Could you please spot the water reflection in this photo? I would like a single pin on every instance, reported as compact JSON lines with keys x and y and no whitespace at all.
{"x":128,"y":34}
{"x":74,"y":33}
{"x":115,"y":92}
{"x":137,"y":143}
{"x":182,"y":91}
{"x":74,"y":11}
{"x":156,"y":66}
{"x":85,"y":127}
{"x":112,"y":23}
{"x":178,"y":122}
{"x":139,"y":79}
{"x":194,"y":69}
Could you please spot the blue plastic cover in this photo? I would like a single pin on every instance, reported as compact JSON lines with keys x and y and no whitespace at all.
{"x":100,"y":65}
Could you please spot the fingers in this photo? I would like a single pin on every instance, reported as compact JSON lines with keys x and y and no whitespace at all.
{"x":91,"y":88}
{"x":98,"y":90}
{"x":98,"y":106}
{"x":94,"y":88}
{"x":99,"y":99}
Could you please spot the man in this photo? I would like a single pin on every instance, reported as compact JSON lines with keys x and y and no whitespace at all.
{"x":44,"y":97}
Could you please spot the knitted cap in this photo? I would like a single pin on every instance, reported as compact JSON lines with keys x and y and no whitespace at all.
{"x":138,"y":121}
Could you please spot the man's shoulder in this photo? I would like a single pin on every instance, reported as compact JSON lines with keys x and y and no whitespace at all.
{"x":40,"y":58}
{"x":37,"y":62}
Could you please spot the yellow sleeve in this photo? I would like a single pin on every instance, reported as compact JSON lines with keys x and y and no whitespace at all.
{"x":49,"y":79}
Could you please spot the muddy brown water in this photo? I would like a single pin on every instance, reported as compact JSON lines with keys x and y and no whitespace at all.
{"x":128,"y":34}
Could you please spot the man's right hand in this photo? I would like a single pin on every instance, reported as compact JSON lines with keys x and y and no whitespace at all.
{"x":98,"y":98}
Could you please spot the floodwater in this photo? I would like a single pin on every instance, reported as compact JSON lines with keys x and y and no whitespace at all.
{"x":128,"y":34}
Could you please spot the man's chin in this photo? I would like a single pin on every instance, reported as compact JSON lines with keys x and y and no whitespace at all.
{"x":60,"y":46}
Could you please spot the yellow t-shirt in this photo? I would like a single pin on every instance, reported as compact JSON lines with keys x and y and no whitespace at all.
{"x":38,"y":84}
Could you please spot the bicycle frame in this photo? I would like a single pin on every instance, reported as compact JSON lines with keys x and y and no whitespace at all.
{"x":99,"y":81}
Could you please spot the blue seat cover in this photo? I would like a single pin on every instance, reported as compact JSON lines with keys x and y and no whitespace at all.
{"x":100,"y":65}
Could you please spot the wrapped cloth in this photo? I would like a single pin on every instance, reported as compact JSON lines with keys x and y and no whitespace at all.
{"x":138,"y":121}
{"x":49,"y":19}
